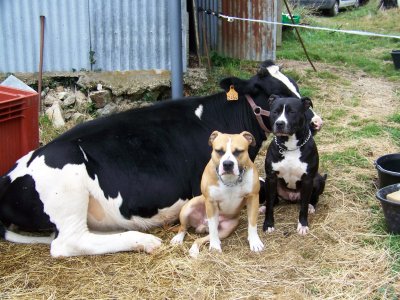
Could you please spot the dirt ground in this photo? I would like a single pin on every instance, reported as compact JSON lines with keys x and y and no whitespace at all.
{"x":341,"y":258}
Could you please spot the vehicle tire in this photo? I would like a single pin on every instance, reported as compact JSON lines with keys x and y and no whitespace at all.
{"x":334,"y":10}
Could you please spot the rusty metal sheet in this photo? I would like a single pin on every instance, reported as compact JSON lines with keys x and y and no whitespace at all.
{"x":244,"y":39}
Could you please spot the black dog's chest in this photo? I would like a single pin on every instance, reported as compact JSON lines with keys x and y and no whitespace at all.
{"x":290,"y":168}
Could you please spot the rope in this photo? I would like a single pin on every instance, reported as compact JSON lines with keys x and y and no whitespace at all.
{"x":356,"y":32}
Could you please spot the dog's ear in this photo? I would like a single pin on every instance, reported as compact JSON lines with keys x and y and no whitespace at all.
{"x":249,"y":137}
{"x":212,"y":137}
{"x":306,"y":102}
{"x":272,"y":98}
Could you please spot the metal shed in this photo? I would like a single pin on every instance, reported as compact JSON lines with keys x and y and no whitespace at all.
{"x":111,"y":35}
{"x":239,"y":39}
{"x":86,"y":34}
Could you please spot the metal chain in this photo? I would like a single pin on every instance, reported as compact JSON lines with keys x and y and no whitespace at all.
{"x":282,"y":150}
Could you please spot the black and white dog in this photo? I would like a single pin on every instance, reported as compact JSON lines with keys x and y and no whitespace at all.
{"x":291,"y":164}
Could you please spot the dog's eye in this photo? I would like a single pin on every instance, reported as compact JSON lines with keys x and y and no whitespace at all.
{"x":220,"y":152}
{"x":237,"y":152}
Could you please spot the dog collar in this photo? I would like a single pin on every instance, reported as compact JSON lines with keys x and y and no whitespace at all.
{"x":231,"y":184}
{"x":283,"y":149}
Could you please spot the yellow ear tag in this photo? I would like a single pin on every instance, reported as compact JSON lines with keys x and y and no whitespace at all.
{"x":232,"y":94}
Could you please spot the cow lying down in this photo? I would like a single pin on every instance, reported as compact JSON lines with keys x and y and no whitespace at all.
{"x":97,"y":184}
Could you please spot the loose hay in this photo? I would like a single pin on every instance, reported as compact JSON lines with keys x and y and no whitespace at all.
{"x":339,"y":259}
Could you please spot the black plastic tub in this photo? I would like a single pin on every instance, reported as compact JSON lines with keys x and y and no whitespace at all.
{"x":388,"y":167}
{"x":391,"y":209}
{"x":396,"y":58}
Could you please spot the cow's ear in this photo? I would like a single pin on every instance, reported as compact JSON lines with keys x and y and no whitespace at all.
{"x":263,"y":68}
{"x":213,"y":137}
{"x":272,"y":98}
{"x":238,"y":84}
{"x":306,"y":102}
{"x":249,"y":137}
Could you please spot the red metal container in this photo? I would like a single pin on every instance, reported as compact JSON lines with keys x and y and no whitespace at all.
{"x":19,"y":125}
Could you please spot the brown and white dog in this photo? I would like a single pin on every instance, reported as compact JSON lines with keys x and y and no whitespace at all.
{"x":230,"y":181}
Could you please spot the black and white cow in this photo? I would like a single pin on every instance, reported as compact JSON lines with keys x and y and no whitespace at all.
{"x":98,"y":183}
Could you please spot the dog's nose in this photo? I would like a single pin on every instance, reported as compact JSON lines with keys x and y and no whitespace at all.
{"x":228,"y":165}
{"x":280,"y":124}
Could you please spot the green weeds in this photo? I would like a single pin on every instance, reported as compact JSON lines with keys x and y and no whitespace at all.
{"x":48,"y":132}
{"x":343,"y":159}
{"x":371,"y":54}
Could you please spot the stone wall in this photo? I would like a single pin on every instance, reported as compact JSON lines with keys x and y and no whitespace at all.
{"x":100,"y":94}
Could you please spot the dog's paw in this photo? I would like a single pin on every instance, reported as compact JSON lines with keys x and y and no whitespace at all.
{"x":216,"y":246}
{"x":178,"y":239}
{"x":270,"y":229}
{"x":302,"y":230}
{"x":262,"y":209}
{"x":255,"y":244}
{"x":194,"y":251}
{"x":151,"y":243}
{"x":311,"y":209}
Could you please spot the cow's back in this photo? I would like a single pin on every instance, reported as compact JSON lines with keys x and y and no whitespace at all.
{"x":149,"y":157}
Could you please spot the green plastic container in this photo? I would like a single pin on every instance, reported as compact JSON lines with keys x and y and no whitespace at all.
{"x":286,"y":19}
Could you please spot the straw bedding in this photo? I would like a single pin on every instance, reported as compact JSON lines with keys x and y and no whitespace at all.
{"x":341,"y":258}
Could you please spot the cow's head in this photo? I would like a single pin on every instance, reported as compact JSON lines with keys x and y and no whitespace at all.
{"x":268,"y":81}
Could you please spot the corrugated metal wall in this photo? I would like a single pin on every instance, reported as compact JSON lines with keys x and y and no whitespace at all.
{"x":124,"y":34}
{"x":66,"y":35}
{"x":208,"y":25}
{"x":130,"y":35}
{"x":248,"y":40}
{"x":239,"y":39}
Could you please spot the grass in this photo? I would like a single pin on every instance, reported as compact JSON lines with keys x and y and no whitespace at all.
{"x":354,"y":53}
{"x":47,"y":131}
{"x":346,"y":158}
{"x":370,"y":54}
{"x":347,"y":255}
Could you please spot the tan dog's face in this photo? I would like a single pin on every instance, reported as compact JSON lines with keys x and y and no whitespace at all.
{"x":230,"y":152}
